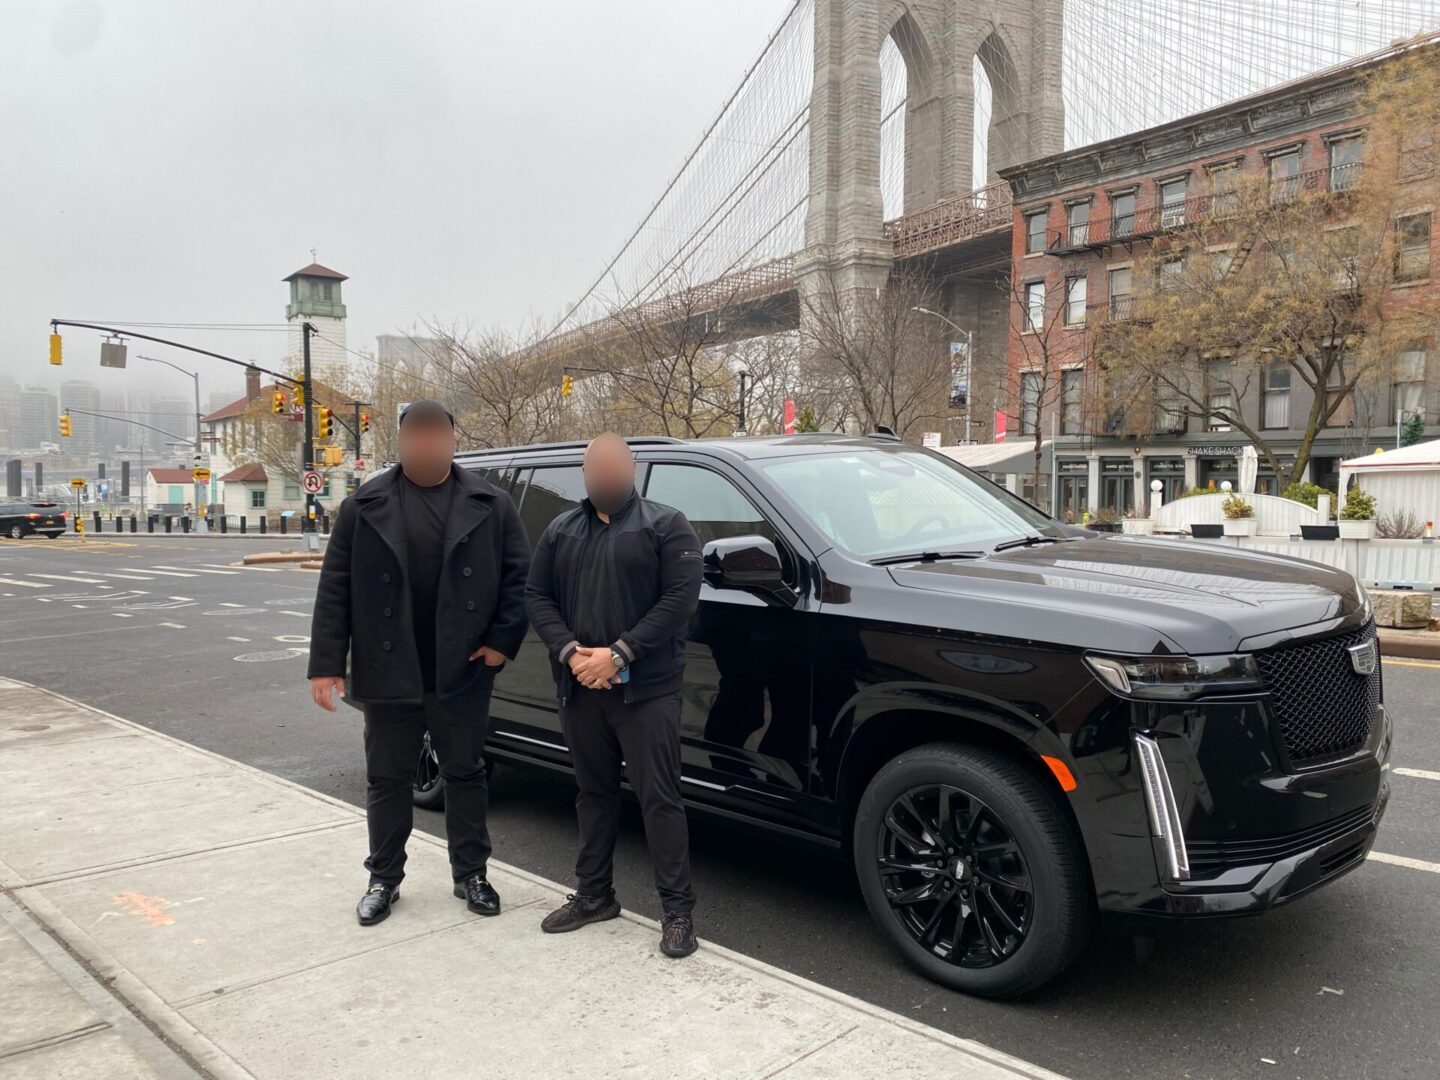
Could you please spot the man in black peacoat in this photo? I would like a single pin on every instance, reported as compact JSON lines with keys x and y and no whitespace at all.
{"x":423,"y":585}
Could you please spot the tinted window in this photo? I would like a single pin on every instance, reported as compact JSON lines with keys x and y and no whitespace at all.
{"x":547,"y":493}
{"x":715,"y":508}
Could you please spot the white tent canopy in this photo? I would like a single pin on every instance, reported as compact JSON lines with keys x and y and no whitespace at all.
{"x":1407,"y":478}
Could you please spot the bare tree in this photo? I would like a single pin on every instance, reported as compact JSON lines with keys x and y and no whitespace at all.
{"x":505,"y":393}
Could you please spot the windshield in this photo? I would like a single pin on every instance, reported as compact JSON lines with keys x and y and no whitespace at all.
{"x":878,"y":503}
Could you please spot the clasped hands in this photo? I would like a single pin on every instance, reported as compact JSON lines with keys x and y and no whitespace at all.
{"x":594,"y":668}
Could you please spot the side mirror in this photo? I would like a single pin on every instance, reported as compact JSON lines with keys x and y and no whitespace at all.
{"x":748,"y":563}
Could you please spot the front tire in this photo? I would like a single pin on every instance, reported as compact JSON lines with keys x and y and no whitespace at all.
{"x":972,"y":869}
{"x":17,"y":533}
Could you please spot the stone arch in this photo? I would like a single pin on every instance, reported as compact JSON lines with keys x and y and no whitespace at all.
{"x":923,"y":117}
{"x":1007,"y":140}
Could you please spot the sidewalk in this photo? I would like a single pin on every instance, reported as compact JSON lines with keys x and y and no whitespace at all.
{"x":168,"y":912}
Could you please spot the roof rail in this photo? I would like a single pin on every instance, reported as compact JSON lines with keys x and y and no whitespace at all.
{"x":577,"y":444}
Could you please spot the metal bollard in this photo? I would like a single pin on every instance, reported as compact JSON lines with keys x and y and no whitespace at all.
{"x":224,"y":523}
{"x":168,"y":521}
{"x":97,"y":520}
{"x":262,"y":522}
{"x":242,"y":524}
{"x":283,"y":523}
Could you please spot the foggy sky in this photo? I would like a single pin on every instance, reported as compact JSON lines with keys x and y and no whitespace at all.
{"x":172,"y":161}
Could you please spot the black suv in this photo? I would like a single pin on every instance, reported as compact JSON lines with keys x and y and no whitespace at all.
{"x":21,"y":519}
{"x":1005,"y":724}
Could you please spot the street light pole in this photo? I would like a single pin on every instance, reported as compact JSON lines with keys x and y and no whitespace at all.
{"x":201,"y":487}
{"x":969,"y":360}
{"x":308,"y":453}
{"x":740,"y":414}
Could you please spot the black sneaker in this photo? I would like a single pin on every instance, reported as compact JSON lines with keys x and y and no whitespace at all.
{"x":677,"y":935}
{"x":579,"y":910}
{"x":374,"y":906}
{"x":478,"y":894}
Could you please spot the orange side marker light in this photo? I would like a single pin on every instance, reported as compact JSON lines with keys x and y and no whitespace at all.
{"x":1062,"y":772}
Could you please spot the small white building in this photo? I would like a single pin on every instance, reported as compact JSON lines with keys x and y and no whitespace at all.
{"x":1407,"y":478}
{"x":169,"y":489}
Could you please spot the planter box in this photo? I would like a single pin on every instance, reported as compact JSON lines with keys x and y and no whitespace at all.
{"x":1104,"y":526}
{"x":1207,"y":532}
{"x":1239,"y":526}
{"x":1357,"y":530}
{"x":1319,"y":532}
{"x":1137,"y":527}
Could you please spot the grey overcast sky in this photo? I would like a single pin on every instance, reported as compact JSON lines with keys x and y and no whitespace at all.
{"x":172,"y":161}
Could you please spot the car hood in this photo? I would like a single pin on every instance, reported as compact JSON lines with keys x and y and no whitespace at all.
{"x":1197,"y":598}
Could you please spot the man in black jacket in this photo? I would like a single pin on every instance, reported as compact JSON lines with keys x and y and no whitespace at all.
{"x":612,"y":588}
{"x":423,"y":585}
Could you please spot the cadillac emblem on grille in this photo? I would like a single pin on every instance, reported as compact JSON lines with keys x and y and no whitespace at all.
{"x":1363,"y":657}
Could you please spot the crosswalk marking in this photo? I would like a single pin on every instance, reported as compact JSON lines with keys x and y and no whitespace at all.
{"x":121,"y":615}
{"x":25,"y":584}
{"x":167,"y":573}
{"x":197,"y":570}
{"x":126,"y":577}
{"x":1404,"y":860}
{"x":264,"y":569}
{"x":182,"y":598}
{"x":174,"y":625}
{"x":67,"y":577}
{"x":1421,"y":774}
{"x":233,"y":569}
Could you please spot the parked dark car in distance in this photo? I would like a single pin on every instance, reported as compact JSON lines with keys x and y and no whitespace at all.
{"x":21,"y":519}
{"x":1008,"y":725}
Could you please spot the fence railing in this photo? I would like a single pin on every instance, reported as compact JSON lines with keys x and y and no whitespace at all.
{"x":951,"y":221}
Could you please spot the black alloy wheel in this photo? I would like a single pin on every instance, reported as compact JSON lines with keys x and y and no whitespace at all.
{"x":971,"y":865}
{"x":955,"y":877}
{"x":16,"y":532}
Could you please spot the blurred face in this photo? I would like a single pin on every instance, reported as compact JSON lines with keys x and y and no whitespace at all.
{"x":609,"y":473}
{"x":427,"y":445}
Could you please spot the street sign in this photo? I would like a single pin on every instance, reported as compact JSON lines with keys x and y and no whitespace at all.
{"x":201,"y":475}
{"x":359,"y":463}
{"x":77,"y":483}
{"x":930,"y":440}
{"x":314,"y":483}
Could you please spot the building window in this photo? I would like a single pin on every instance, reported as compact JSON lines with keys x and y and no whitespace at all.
{"x":328,"y":291}
{"x":292,"y":491}
{"x":1285,"y":176}
{"x":1029,"y":402}
{"x":1035,"y":232}
{"x":1344,"y":262}
{"x":1277,"y":396}
{"x":1172,"y":204}
{"x":1072,"y":383}
{"x":1346,"y":155}
{"x":1225,"y":186}
{"x":1121,"y":301}
{"x":1075,"y":290}
{"x":1169,"y":410}
{"x":257,"y":498}
{"x":1417,"y":153}
{"x":1339,"y":401}
{"x":1412,"y":247}
{"x":1167,"y":274}
{"x":1219,"y":395}
{"x":1034,"y":306}
{"x":1077,"y":216}
{"x":1220,"y":263}
{"x":1122,"y":213}
{"x":1407,"y":393}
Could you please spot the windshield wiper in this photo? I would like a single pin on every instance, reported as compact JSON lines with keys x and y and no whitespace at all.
{"x":1029,"y":541}
{"x":925,"y":556}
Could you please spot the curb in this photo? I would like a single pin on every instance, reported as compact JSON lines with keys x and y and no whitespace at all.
{"x":1413,"y":645}
{"x":260,"y":558}
{"x":174,"y":1026}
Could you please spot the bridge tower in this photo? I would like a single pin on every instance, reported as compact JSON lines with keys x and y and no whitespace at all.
{"x":1018,"y":42}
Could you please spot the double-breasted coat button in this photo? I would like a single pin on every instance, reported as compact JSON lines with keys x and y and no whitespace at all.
{"x":465,"y":572}
{"x":385,"y":646}
{"x":385,"y":578}
{"x":387,"y":612}
{"x":469,"y":605}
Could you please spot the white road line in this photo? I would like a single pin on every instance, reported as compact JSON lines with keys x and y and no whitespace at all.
{"x":227,"y":569}
{"x":67,"y":577}
{"x":264,"y":569}
{"x":181,"y":598}
{"x":197,"y":570}
{"x":168,"y":573}
{"x":224,"y":604}
{"x":237,"y":639}
{"x":127,"y":577}
{"x":121,"y":615}
{"x":1403,"y":860}
{"x":25,"y":584}
{"x":297,"y":614}
{"x":174,"y":625}
{"x":82,"y":606}
{"x":1423,"y":774}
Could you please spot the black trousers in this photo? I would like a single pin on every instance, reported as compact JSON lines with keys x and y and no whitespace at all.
{"x":602,"y":731}
{"x":394,"y":736}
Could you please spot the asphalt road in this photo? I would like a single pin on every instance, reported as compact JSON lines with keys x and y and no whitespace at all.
{"x":1342,"y":984}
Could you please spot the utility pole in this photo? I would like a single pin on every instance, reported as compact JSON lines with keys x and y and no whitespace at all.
{"x":202,"y":487}
{"x":740,"y":415}
{"x":308,"y":452}
{"x":969,"y":360}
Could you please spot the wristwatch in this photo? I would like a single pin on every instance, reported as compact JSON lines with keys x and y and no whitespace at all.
{"x":618,"y":660}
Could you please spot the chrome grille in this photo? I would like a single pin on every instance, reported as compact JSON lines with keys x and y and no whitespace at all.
{"x":1320,"y":705}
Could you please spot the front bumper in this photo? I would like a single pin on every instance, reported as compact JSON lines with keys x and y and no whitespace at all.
{"x":1201,"y":878}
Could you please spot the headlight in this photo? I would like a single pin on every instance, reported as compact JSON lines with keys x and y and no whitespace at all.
{"x":1173,"y":678}
{"x":1365,"y":605}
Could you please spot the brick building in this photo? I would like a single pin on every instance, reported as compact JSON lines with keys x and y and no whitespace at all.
{"x":1086,"y":219}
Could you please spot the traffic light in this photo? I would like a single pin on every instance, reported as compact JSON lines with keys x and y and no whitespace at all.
{"x":323,"y":423}
{"x":55,"y":350}
{"x":65,"y":429}
{"x":567,"y":386}
{"x":277,"y":403}
{"x":364,"y":422}
{"x":300,"y":393}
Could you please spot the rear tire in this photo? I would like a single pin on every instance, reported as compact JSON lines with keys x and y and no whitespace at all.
{"x":17,"y":533}
{"x":971,"y":867}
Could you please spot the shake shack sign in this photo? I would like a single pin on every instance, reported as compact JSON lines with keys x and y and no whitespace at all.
{"x":1213,"y":451}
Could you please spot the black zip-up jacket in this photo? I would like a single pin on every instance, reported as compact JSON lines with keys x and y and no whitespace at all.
{"x":654,"y":583}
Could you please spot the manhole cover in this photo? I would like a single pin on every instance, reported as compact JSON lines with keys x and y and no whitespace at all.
{"x":270,"y":654}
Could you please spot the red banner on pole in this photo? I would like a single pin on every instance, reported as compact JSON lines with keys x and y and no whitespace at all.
{"x":999,"y":426}
{"x":789,"y":416}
